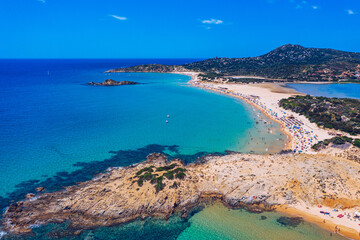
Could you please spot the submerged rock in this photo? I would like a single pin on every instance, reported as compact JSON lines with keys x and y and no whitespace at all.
{"x":290,"y":221}
{"x":30,"y":195}
{"x":39,"y":189}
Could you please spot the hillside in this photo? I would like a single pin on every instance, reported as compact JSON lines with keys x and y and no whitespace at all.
{"x":288,"y":62}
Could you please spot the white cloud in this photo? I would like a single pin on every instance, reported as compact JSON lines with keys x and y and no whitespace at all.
{"x":315,"y":7}
{"x":212,"y":21}
{"x":119,"y":18}
{"x":42,"y":1}
{"x":350,"y":12}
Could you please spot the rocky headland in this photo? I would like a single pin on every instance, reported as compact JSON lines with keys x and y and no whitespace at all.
{"x":110,"y":82}
{"x":285,"y":63}
{"x":159,"y":68}
{"x":159,"y":188}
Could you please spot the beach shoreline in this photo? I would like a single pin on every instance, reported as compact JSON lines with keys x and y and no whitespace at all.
{"x":332,"y":225}
{"x":301,"y":133}
{"x":193,"y":80}
{"x":289,"y":140}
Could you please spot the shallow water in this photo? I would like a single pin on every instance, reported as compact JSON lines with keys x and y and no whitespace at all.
{"x":217,"y":222}
{"x":339,"y":90}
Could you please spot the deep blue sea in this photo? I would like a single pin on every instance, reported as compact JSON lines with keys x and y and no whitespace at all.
{"x":56,"y":131}
{"x":339,"y":90}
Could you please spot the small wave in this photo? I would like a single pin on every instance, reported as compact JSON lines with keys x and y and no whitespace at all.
{"x":34,"y":198}
{"x":2,"y":234}
{"x":36,"y":225}
{"x":98,"y":177}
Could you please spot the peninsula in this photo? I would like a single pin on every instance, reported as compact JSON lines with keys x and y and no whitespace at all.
{"x":110,"y":82}
{"x":287,"y":63}
{"x":258,"y":182}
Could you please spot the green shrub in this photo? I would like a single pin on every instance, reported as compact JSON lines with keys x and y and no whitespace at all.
{"x":180,"y":175}
{"x":140,"y":182}
{"x":338,"y":141}
{"x":357,"y":143}
{"x":169,"y":175}
{"x":159,"y":184}
{"x":175,"y":185}
{"x":166,"y":168}
{"x":148,"y":169}
{"x":179,"y":170}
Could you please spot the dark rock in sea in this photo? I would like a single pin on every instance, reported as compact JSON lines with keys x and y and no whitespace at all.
{"x":110,"y":82}
{"x":290,"y":221}
{"x":39,"y":189}
{"x":15,"y":207}
{"x":263,"y":218}
{"x":30,"y":195}
{"x":254,"y":209}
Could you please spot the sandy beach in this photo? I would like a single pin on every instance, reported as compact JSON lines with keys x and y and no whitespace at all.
{"x":265,"y":97}
{"x":302,"y":134}
{"x":333,"y":224}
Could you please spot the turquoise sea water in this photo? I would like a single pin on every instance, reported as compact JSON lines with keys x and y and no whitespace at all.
{"x":342,"y":90}
{"x":56,"y":131}
{"x":52,"y":124}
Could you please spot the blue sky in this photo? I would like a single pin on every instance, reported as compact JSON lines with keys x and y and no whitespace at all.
{"x":173,"y":29}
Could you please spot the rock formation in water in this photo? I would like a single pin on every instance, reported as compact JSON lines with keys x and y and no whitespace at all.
{"x":110,"y":82}
{"x":158,"y":188}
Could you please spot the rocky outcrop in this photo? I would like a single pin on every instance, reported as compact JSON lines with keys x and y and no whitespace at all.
{"x":352,"y":153}
{"x":110,"y":82}
{"x":158,"y":188}
{"x":160,"y":68}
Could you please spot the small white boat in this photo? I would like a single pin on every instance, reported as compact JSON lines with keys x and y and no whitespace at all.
{"x":166,"y":121}
{"x":168,"y":116}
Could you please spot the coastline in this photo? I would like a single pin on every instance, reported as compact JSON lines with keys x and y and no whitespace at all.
{"x":347,"y":230}
{"x":280,"y":182}
{"x":288,"y":209}
{"x":301,"y":133}
{"x":326,"y":224}
{"x":193,"y":80}
{"x":289,"y":140}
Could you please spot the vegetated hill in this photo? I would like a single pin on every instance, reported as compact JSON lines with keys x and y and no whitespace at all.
{"x":288,"y":62}
{"x":337,"y":113}
{"x":151,"y":68}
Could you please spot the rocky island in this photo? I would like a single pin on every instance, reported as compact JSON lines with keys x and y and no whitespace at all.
{"x":159,"y":188}
{"x":110,"y":82}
